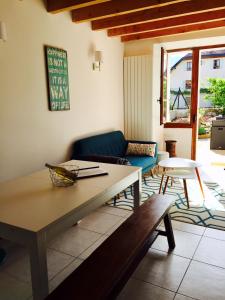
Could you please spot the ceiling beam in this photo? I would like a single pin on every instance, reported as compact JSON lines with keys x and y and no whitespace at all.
{"x":56,"y":6}
{"x":172,"y":31}
{"x":172,"y":10}
{"x":115,"y":8}
{"x":168,"y":23}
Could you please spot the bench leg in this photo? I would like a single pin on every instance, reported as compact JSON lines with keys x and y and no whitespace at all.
{"x":169,"y":232}
{"x":137,"y":193}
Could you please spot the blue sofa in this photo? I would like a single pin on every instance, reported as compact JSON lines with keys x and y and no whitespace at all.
{"x":111,"y":147}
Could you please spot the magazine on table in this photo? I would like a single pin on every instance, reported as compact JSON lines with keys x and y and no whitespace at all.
{"x":91,"y":172}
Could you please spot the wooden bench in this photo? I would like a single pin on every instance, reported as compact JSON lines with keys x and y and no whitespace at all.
{"x":105,"y":272}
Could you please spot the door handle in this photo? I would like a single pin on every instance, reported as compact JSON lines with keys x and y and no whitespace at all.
{"x":159,"y":100}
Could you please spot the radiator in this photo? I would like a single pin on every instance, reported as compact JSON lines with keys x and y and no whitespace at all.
{"x":137,"y":97}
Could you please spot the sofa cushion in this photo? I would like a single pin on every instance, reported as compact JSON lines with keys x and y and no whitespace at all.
{"x":141,"y":149}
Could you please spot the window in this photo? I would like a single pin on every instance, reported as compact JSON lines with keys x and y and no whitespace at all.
{"x":189,"y":66}
{"x":216,"y":63}
{"x":188,"y":84}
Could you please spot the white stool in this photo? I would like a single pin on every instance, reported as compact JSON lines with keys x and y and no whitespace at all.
{"x":161,"y":156}
{"x":181,"y":168}
{"x":181,"y":174}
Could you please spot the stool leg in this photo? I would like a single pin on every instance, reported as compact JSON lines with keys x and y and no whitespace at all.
{"x":151,"y":172}
{"x":161,"y":184}
{"x":167,"y":179}
{"x":145,"y":182}
{"x":163,"y":174}
{"x":200,"y":182}
{"x":186,"y":192}
{"x":169,"y":232}
{"x":157,"y":170}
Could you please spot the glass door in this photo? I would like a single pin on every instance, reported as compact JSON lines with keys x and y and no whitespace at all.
{"x":179,"y":95}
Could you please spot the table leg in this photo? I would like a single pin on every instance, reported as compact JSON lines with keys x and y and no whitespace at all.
{"x":200,"y":182}
{"x":39,"y":271}
{"x":137,"y":192}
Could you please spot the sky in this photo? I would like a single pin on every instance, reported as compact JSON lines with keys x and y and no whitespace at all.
{"x":174,"y":57}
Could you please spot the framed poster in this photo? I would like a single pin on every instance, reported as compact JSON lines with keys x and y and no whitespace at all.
{"x":58,"y":80}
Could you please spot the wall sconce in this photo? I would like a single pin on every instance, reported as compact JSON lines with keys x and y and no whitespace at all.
{"x":3,"y":34}
{"x":98,"y":60}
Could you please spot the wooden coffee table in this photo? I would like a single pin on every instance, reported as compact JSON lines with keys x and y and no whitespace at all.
{"x":181,"y":168}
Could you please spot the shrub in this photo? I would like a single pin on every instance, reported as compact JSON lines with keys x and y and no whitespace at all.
{"x":201,"y":130}
{"x":217,"y":93}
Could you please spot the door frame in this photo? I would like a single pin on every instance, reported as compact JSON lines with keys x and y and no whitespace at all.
{"x":194,"y":102}
{"x":195,"y":87}
{"x":194,"y":93}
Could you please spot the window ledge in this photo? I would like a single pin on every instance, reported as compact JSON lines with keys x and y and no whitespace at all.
{"x":177,"y":125}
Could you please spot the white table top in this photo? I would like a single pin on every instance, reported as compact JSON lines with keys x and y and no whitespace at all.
{"x":32,"y":202}
{"x":177,"y":162}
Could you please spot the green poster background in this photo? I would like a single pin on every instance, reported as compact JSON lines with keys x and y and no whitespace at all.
{"x":58,"y":81}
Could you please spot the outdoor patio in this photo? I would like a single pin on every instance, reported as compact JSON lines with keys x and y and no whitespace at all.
{"x":213,"y":162}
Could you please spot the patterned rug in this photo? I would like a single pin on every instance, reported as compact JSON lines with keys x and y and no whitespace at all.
{"x":208,"y":213}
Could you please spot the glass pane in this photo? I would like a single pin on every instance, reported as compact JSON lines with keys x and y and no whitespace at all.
{"x":212,"y":90}
{"x":178,"y":87}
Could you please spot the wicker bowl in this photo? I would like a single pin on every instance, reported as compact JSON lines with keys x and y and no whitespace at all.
{"x":61,"y":181}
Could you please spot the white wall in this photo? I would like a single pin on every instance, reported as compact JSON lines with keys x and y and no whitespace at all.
{"x":183,"y":136}
{"x":30,"y":134}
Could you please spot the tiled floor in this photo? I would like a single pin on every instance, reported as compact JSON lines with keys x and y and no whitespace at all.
{"x":194,"y":270}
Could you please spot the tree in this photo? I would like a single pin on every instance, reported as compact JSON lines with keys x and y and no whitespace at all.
{"x":217,"y":93}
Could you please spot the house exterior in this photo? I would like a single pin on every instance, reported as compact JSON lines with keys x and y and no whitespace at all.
{"x":212,"y":66}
